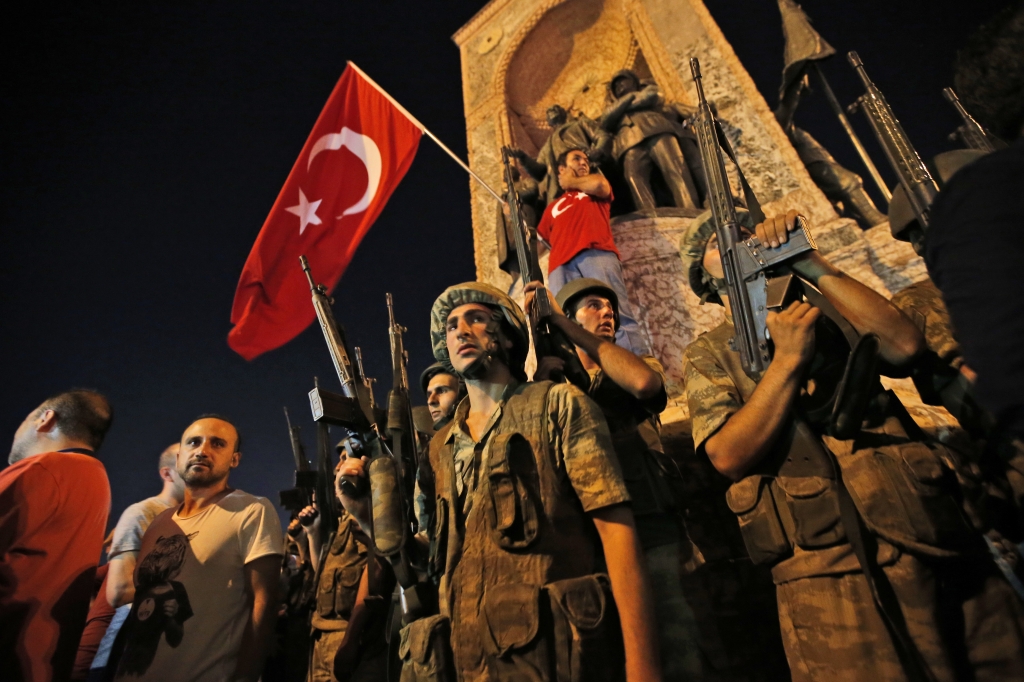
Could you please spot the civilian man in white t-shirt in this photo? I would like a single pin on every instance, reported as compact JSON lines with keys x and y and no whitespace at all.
{"x":207,"y":574}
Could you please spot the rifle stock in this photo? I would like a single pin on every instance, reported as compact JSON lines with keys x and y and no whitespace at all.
{"x":301,"y":496}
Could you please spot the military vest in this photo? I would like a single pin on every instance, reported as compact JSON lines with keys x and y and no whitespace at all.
{"x":788,"y":508}
{"x":638,"y":447}
{"x":339,"y":580}
{"x":518,"y":580}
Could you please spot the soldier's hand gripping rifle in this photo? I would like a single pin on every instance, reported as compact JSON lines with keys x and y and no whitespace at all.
{"x":548,"y":340}
{"x":747,"y":264}
{"x":301,"y":496}
{"x":915,"y":178}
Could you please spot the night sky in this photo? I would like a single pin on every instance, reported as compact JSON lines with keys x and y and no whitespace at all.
{"x":143,"y":144}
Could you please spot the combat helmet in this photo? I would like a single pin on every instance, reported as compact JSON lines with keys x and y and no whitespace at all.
{"x":574,"y":290}
{"x":507,"y":313}
{"x":691,"y":252}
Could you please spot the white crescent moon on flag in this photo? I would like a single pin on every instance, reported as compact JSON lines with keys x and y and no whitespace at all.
{"x":367,"y":151}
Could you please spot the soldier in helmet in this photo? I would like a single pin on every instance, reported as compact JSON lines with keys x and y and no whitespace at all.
{"x":525,"y":475}
{"x":444,"y":389}
{"x":868,"y":547}
{"x":630,"y":390}
{"x":352,"y":596}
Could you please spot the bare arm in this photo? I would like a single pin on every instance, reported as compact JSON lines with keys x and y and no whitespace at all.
{"x":261,"y":587}
{"x":121,"y":579}
{"x":749,"y":434}
{"x":631,"y":590}
{"x":620,"y":365}
{"x":594,"y":184}
{"x":868,"y":312}
{"x":310,"y":520}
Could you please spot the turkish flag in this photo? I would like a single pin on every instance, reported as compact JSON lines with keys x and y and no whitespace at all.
{"x":358,"y":152}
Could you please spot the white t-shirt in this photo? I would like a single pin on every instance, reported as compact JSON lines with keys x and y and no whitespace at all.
{"x":190,"y":607}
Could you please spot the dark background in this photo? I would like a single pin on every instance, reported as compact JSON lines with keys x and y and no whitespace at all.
{"x":144,"y":143}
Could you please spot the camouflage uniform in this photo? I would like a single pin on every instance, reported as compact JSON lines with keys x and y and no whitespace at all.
{"x":338,"y":585}
{"x":517,"y":554}
{"x":653,"y":481}
{"x":960,"y":614}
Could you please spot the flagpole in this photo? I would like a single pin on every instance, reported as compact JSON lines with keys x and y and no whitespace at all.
{"x":845,"y":122}
{"x":426,"y":132}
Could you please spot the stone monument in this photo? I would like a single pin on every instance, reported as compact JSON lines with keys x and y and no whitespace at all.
{"x":519,"y":57}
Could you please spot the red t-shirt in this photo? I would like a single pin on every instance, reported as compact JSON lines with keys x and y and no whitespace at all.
{"x":101,"y":613}
{"x":575,"y":222}
{"x":53,"y":515}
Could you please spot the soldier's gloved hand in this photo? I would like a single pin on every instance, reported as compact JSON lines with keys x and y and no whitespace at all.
{"x":548,"y":366}
{"x":775,"y":231}
{"x":792,"y":330}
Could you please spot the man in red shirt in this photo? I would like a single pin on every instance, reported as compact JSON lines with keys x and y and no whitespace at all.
{"x":54,"y":502}
{"x":577,"y":227}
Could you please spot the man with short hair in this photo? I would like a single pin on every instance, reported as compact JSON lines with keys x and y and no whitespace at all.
{"x":525,"y":474}
{"x":577,"y":227}
{"x":118,"y":587}
{"x":444,"y":390}
{"x":630,"y":391}
{"x":54,"y":502}
{"x":206,"y":581}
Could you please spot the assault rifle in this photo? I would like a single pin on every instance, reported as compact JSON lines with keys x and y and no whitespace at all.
{"x":970,"y":133}
{"x":347,"y":409}
{"x":915,"y":178}
{"x":748,"y":266}
{"x":392,"y":480}
{"x":548,"y":340}
{"x":301,"y":496}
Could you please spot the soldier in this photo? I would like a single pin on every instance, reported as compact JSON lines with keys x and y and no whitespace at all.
{"x":630,"y":391}
{"x":525,"y":472}
{"x":444,"y":390}
{"x":651,"y":134}
{"x":351,"y":603}
{"x":882,"y":528}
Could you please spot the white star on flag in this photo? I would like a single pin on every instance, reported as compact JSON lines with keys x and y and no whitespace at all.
{"x":306,"y":210}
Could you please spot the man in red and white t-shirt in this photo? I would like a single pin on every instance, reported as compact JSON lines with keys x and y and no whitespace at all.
{"x":576,"y":226}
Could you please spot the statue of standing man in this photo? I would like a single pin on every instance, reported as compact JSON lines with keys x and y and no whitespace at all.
{"x":651,"y":134}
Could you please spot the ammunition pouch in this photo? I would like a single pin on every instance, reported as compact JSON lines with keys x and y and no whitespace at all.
{"x":904,"y":494}
{"x":336,"y":593}
{"x":752,"y":501}
{"x":812,"y":503}
{"x":587,"y":642}
{"x":425,"y":650}
{"x":512,"y":508}
{"x":511,"y":614}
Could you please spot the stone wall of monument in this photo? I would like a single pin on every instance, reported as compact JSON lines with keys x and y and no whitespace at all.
{"x":521,"y":56}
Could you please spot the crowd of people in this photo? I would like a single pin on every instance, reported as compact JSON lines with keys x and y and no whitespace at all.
{"x":565,"y":534}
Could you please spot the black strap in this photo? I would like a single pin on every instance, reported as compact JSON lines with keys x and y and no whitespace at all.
{"x":866,"y":549}
{"x":753,"y":205}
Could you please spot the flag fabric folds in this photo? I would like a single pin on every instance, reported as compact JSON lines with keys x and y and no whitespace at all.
{"x":803,"y":43}
{"x":359,"y":150}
